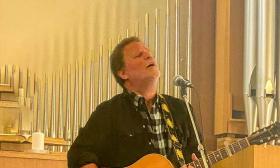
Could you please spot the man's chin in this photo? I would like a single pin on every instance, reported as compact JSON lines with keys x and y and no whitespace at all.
{"x":155,"y":76}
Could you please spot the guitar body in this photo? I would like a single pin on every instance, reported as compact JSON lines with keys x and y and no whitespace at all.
{"x":152,"y":161}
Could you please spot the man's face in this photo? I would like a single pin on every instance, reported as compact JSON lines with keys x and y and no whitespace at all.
{"x":139,"y":64}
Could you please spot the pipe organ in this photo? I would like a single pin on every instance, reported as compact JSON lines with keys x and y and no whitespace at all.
{"x":261,"y":63}
{"x":60,"y":103}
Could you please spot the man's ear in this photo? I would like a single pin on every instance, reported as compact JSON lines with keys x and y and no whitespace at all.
{"x":122,"y":74}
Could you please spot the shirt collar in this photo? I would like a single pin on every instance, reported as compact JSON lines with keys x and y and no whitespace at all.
{"x":139,"y":99}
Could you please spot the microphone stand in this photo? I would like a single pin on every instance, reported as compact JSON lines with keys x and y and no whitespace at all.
{"x":200,"y":146}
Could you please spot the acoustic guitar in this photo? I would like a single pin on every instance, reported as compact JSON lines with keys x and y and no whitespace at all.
{"x":259,"y":137}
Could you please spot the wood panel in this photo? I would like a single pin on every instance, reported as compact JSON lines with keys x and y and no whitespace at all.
{"x":236,"y":53}
{"x":203,"y":66}
{"x":10,"y":159}
{"x":253,"y":157}
{"x":222,"y":83}
{"x":229,"y":65}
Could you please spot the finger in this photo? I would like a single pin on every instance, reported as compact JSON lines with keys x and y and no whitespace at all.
{"x":187,"y":166}
{"x":194,"y":157}
{"x":184,"y":166}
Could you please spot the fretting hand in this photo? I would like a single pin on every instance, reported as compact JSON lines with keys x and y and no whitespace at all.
{"x":194,"y":158}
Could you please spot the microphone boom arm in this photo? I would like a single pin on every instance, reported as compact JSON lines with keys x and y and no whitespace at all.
{"x":200,"y":146}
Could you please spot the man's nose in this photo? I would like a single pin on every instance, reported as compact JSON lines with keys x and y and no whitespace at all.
{"x":147,"y":55}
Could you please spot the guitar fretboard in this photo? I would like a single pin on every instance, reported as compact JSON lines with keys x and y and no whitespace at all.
{"x":222,"y":153}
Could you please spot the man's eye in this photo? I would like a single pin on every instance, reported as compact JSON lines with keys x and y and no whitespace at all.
{"x":139,"y":55}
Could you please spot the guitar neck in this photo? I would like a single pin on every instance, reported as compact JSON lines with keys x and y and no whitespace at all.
{"x":222,"y":153}
{"x":261,"y":136}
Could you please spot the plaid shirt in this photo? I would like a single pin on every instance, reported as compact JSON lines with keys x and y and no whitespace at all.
{"x":156,"y":124}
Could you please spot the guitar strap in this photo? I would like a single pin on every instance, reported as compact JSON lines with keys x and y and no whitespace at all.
{"x":177,"y":146}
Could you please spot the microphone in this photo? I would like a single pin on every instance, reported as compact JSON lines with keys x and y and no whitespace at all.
{"x":178,"y":80}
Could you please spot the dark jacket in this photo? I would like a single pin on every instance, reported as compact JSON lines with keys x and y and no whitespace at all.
{"x":116,"y":135}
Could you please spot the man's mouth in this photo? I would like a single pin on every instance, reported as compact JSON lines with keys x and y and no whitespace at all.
{"x":151,"y":65}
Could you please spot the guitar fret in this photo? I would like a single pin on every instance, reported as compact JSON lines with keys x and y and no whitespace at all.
{"x":236,"y":146}
{"x":212,"y":158}
{"x":201,"y":163}
{"x":247,"y":142}
{"x":239,"y":145}
{"x":217,"y":156}
{"x":224,"y":153}
{"x":231,"y":149}
{"x":196,"y":163}
{"x":243,"y":143}
{"x":227,"y":148}
{"x":209,"y":159}
{"x":213,"y":155}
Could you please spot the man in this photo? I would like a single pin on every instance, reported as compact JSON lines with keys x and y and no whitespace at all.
{"x":137,"y":122}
